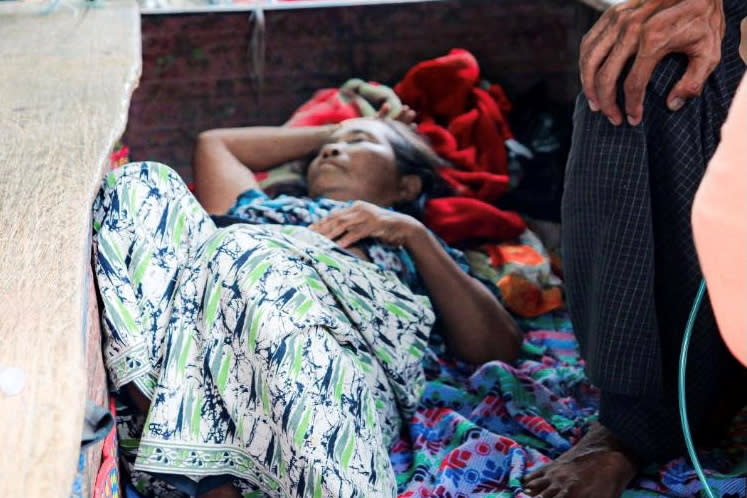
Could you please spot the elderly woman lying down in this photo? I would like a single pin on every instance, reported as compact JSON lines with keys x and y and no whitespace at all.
{"x":284,"y":349}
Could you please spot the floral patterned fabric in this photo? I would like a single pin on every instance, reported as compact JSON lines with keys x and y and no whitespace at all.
{"x":474,"y":432}
{"x":480,"y":431}
{"x":268,"y":353}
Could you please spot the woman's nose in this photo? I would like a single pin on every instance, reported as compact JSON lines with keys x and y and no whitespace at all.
{"x":330,"y":150}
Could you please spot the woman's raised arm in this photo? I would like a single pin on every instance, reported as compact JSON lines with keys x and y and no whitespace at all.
{"x":225,"y":159}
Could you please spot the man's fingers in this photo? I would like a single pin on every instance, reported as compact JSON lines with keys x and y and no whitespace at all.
{"x":652,"y":47}
{"x":605,"y":81}
{"x":598,"y":42}
{"x":691,"y":83}
{"x":594,"y":50}
{"x":635,"y":87}
{"x":698,"y":35}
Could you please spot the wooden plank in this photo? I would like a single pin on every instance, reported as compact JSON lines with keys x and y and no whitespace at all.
{"x":65,"y":85}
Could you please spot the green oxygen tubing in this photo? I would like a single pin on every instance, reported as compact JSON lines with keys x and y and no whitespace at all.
{"x":681,"y":385}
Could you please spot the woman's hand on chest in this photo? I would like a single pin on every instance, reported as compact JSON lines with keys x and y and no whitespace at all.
{"x":363,"y":220}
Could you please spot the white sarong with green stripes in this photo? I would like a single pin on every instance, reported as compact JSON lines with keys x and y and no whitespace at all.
{"x":268,"y":353}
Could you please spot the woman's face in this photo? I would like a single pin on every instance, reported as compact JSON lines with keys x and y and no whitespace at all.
{"x":358,"y":163}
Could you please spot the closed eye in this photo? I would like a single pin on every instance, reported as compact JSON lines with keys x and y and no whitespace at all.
{"x":358,"y":136}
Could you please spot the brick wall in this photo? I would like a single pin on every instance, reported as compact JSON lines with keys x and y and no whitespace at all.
{"x":198,"y":72}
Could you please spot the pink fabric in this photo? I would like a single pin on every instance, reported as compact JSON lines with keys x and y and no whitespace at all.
{"x":720,"y":227}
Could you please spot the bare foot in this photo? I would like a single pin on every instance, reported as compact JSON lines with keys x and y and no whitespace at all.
{"x":227,"y":490}
{"x":141,"y":401}
{"x":596,"y":467}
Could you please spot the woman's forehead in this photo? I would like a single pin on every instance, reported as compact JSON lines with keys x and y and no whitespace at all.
{"x":368,"y":125}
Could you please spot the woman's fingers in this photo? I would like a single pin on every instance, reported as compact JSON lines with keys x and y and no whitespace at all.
{"x":363,"y":220}
{"x":345,"y":231}
{"x":333,"y":226}
{"x":406,"y":115}
{"x":384,"y":110}
{"x":354,"y":234}
{"x":339,"y":223}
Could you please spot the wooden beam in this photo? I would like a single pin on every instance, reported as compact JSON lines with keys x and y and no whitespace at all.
{"x":65,"y":85}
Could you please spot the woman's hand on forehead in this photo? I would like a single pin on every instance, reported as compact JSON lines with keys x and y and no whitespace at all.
{"x":406,"y":115}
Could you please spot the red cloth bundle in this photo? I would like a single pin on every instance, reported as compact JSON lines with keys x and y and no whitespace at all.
{"x":460,"y":219}
{"x":466,"y":125}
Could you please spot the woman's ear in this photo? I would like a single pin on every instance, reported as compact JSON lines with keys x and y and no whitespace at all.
{"x":410,"y":187}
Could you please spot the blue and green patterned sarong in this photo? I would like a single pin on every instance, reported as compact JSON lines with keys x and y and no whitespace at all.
{"x":268,"y":353}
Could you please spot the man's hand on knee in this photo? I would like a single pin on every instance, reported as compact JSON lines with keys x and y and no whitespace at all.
{"x":647,"y":31}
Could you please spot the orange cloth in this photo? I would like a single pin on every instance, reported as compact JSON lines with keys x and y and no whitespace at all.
{"x":719,"y":220}
{"x":523,"y":292}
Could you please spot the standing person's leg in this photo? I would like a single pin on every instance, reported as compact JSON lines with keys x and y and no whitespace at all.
{"x":632,"y":273}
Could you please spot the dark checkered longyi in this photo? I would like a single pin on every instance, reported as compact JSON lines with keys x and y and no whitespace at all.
{"x":630,"y":263}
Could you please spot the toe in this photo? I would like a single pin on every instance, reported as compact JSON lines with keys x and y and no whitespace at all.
{"x":536,"y":486}
{"x":535,"y":475}
{"x":553,"y":492}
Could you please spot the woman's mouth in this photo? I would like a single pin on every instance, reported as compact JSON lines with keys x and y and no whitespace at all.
{"x":329,"y":164}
